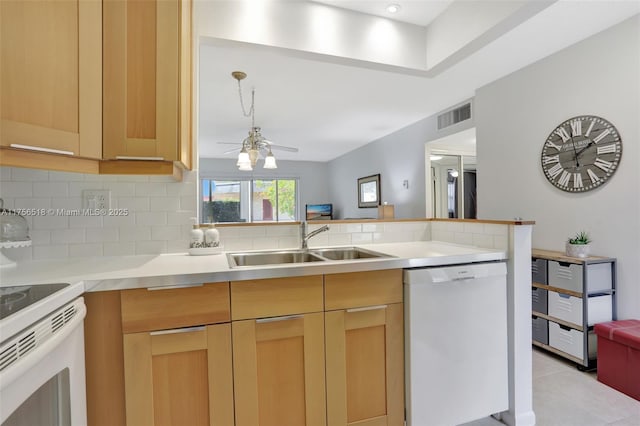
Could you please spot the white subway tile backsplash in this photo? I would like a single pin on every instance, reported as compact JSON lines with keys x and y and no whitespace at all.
{"x":282,"y":231}
{"x":119,"y":221}
{"x":135,"y":233}
{"x":121,"y":189}
{"x":372,"y":227}
{"x":29,"y":175}
{"x":166,"y":233}
{"x":50,"y":222}
{"x":188,"y":202}
{"x":32,"y":203}
{"x":85,"y":221}
{"x":102,"y":235}
{"x":350,"y":227}
{"x":76,"y":188}
{"x":164,"y":204}
{"x":151,"y":189}
{"x":85,"y":250}
{"x":151,"y":247}
{"x":339,"y":239}
{"x":67,"y":236}
{"x":5,"y":173}
{"x":134,"y":204}
{"x":151,"y":218}
{"x":263,"y":243}
{"x":40,"y":237}
{"x":119,"y":249}
{"x":131,"y":178}
{"x":180,"y":218}
{"x":178,"y":246}
{"x":66,"y":203}
{"x":501,"y":242}
{"x":495,"y":229}
{"x":16,"y":189}
{"x":361,"y":238}
{"x":463,"y":238}
{"x":483,"y":240}
{"x":65,"y":177}
{"x":288,"y":242}
{"x":53,"y":251}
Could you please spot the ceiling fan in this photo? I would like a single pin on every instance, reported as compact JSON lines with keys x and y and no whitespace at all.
{"x":254,"y":144}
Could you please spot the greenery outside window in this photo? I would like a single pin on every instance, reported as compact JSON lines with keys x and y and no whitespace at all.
{"x":249,"y":200}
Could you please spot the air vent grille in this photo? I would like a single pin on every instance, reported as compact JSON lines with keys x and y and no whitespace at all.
{"x":454,"y":116}
{"x":35,"y":336}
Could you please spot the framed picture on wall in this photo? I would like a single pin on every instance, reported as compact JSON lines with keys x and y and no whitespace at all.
{"x":369,"y":191}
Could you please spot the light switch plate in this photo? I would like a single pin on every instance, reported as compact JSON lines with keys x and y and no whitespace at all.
{"x":96,"y":199}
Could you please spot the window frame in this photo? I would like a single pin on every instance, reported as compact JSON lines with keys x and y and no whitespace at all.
{"x":250,"y":180}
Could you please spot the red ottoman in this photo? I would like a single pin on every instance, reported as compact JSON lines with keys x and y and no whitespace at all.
{"x":619,"y":355}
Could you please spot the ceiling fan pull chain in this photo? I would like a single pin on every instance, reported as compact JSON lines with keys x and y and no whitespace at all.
{"x":244,"y":111}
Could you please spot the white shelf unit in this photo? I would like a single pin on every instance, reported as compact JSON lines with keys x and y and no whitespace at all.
{"x":569,"y":296}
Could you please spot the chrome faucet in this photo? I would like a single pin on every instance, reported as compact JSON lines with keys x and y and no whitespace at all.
{"x":304,"y":237}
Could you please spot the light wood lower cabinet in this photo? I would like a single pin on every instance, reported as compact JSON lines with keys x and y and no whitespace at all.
{"x":300,"y":351}
{"x":181,"y":376}
{"x":365,"y":374}
{"x":279,"y":371}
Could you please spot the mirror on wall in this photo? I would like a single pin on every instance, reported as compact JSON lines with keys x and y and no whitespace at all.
{"x":453,"y":191}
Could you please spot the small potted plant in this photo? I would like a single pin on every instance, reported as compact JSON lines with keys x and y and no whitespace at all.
{"x":578,"y":246}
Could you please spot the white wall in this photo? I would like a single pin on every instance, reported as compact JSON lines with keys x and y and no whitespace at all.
{"x":599,"y":76}
{"x":313,"y":176}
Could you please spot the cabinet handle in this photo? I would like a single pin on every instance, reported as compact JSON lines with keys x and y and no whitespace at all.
{"x":367,"y":308}
{"x":274,"y":319}
{"x":178,"y":330}
{"x":170,"y":287}
{"x":126,"y":157}
{"x":41,"y":149}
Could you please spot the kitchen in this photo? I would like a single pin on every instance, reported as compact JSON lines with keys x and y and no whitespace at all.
{"x":163,"y":207}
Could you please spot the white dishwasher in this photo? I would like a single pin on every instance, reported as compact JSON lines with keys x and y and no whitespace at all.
{"x":455,"y":343}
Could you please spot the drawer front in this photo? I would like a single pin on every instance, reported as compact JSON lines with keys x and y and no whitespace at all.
{"x":566,"y":339}
{"x":565,"y":307}
{"x":540,"y":329}
{"x":539,"y":271}
{"x":276,"y":297}
{"x":163,"y":309}
{"x":569,"y":308}
{"x":599,"y":277}
{"x":358,"y":289}
{"x":567,"y":276}
{"x":539,"y":300}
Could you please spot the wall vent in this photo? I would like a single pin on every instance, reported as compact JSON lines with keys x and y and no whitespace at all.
{"x":454,"y":116}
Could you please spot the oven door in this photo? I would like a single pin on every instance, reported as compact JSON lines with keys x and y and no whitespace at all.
{"x":42,"y":379}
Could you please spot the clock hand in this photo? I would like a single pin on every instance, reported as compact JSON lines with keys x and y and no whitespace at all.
{"x":584,"y":149}
{"x":574,"y":150}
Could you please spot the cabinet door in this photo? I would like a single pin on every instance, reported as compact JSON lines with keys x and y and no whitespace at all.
{"x":147,"y":71}
{"x":181,"y":376}
{"x":365,"y":366}
{"x":279,"y":371}
{"x":50,"y":76}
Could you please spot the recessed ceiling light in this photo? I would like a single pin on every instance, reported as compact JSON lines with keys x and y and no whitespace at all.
{"x":393,"y":8}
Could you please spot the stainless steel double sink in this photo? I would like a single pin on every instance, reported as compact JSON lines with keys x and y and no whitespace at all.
{"x":300,"y":256}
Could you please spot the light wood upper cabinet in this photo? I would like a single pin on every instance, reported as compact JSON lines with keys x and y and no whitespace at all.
{"x":51,"y":76}
{"x":147,"y":79}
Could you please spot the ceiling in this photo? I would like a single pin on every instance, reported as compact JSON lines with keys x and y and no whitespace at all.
{"x":327,"y":109}
{"x":412,"y":11}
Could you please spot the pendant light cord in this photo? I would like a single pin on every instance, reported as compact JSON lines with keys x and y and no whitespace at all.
{"x":244,"y":110}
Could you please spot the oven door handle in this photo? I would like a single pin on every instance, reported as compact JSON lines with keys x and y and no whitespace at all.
{"x":29,"y":359}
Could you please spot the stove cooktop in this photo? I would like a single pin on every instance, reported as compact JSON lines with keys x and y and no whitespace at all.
{"x":13,"y":299}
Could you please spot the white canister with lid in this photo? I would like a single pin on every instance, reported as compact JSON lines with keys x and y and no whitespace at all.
{"x":212,"y":236}
{"x":196,"y":236}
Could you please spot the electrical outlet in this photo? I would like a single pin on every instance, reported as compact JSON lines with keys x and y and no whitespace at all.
{"x":96,"y":199}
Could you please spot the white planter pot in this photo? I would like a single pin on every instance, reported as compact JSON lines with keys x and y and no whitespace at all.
{"x":577,"y":250}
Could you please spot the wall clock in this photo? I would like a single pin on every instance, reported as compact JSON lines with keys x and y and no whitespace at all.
{"x":581,"y":154}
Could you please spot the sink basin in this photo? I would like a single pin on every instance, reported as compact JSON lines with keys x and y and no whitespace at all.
{"x":347,"y":253}
{"x":272,"y":258}
{"x":259,"y":258}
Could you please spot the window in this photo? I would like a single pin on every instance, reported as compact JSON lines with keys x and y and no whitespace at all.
{"x":251,"y":200}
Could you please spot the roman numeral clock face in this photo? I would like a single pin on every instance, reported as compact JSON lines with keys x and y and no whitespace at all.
{"x":581,"y":153}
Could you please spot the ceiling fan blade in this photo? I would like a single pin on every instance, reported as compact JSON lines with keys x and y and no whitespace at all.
{"x":284,"y":148}
{"x":231,"y":150}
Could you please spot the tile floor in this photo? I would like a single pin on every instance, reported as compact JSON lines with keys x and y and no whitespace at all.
{"x":565,"y":396}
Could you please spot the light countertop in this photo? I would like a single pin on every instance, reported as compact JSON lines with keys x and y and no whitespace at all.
{"x":127,"y":272}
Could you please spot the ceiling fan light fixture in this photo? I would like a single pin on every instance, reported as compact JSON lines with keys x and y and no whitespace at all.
{"x":270,"y":161}
{"x":393,"y":8}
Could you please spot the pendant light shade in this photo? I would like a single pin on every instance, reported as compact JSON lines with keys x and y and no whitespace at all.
{"x":270,"y":161}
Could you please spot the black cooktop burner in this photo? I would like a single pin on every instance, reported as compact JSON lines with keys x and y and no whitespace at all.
{"x":12,"y":299}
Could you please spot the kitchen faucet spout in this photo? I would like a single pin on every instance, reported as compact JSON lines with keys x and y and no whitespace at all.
{"x":305,"y":237}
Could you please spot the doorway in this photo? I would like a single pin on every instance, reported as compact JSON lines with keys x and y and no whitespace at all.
{"x":451,"y":166}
